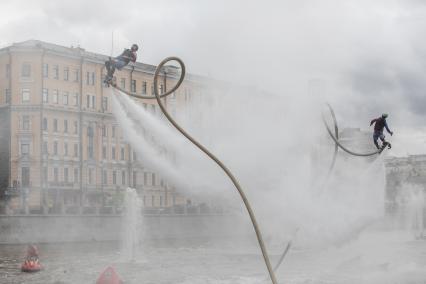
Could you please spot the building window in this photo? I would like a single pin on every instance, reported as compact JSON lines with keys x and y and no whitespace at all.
{"x":55,"y":174}
{"x":76,"y":75}
{"x":104,"y":152}
{"x":144,"y":87}
{"x":105,"y":103}
{"x":45,"y":95}
{"x":135,"y":157}
{"x":66,"y":175}
{"x":123,"y":83}
{"x":161,"y":201}
{"x":7,"y":96}
{"x":161,"y":89}
{"x":45,"y":70}
{"x":45,"y":147}
{"x":75,"y":126}
{"x":76,"y":99}
{"x":90,"y":132}
{"x":55,"y":148}
{"x":26,"y":70}
{"x":113,"y":132}
{"x":44,"y":123}
{"x":104,"y":177}
{"x":65,"y":149}
{"x":26,"y":122}
{"x":7,"y":71}
{"x":90,"y":176}
{"x":55,"y":72}
{"x":113,"y":153}
{"x":153,"y":179}
{"x":76,"y":175}
{"x":90,"y":146}
{"x":65,"y":126}
{"x":135,"y":178}
{"x":25,"y":171}
{"x":25,"y":95}
{"x":66,"y":73}
{"x":90,"y":101}
{"x":25,"y":149}
{"x":133,"y":86}
{"x":55,"y":125}
{"x":104,"y":131}
{"x":65,"y":98}
{"x":114,"y":177}
{"x":123,"y":177}
{"x":152,"y":90}
{"x":87,"y":78}
{"x":145,"y":178}
{"x":75,"y":150}
{"x":122,"y":154}
{"x":152,"y":200}
{"x":93,"y":79}
{"x":55,"y":96}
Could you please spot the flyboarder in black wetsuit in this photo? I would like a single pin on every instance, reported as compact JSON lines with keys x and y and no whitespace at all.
{"x":380,"y":123}
{"x":120,"y":61}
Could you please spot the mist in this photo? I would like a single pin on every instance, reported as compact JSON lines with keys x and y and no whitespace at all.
{"x":272,"y":66}
{"x":367,"y":54}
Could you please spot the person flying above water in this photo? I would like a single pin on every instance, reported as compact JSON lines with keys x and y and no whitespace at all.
{"x":380,"y":123}
{"x":120,"y":61}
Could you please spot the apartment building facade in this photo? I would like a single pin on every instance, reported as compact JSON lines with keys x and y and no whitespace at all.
{"x":61,"y":149}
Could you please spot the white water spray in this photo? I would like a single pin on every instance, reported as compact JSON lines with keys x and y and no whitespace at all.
{"x":131,"y":226}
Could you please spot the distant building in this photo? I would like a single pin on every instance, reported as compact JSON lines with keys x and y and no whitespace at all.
{"x":405,"y":180}
{"x":61,"y":149}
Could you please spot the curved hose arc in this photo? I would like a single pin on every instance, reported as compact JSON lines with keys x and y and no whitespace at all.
{"x":340,"y":145}
{"x":336,"y":146}
{"x":207,"y":152}
{"x":286,"y":250}
{"x":179,"y":82}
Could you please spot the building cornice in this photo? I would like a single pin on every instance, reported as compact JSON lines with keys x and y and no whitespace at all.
{"x":77,"y":53}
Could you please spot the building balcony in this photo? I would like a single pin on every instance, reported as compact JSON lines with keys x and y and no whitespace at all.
{"x":12,"y":192}
{"x":61,"y":184}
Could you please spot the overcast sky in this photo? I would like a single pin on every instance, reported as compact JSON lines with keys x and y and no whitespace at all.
{"x":369,"y":56}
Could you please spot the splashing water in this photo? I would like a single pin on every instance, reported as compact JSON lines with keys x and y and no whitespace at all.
{"x":161,"y":148}
{"x":131,"y":227}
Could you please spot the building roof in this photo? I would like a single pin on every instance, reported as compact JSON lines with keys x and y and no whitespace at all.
{"x":78,"y":52}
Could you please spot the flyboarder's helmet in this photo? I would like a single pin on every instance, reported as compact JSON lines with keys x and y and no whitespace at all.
{"x":134,"y":47}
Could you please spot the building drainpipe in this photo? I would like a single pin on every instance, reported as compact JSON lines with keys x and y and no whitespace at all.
{"x":102,"y":137}
{"x":42,"y":185}
{"x":10,"y":125}
{"x":80,"y":132}
{"x":130,"y":164}
{"x":166,"y":199}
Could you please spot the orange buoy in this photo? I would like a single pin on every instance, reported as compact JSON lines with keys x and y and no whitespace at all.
{"x":109,"y":276}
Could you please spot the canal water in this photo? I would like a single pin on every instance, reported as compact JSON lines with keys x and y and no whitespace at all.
{"x":372,"y":257}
